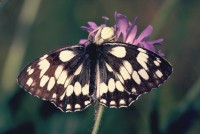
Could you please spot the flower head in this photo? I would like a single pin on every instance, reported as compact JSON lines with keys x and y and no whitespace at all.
{"x":124,"y":31}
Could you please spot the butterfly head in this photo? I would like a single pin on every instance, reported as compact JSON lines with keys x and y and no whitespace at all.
{"x":102,"y":34}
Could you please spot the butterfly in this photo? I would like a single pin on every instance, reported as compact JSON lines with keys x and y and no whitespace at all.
{"x":113,"y":74}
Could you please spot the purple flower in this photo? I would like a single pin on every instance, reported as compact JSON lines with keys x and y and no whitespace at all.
{"x":124,"y":31}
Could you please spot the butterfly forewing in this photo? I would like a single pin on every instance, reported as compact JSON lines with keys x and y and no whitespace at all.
{"x":60,"y":77}
{"x":127,"y":71}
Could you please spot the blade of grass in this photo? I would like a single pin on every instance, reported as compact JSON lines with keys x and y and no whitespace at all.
{"x":19,"y":44}
{"x":184,"y":106}
{"x":3,"y":4}
{"x":162,"y":15}
{"x":158,"y":22}
{"x":15,"y":55}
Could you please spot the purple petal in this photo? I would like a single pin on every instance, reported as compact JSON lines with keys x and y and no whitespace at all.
{"x":148,"y":46}
{"x":105,"y":18}
{"x":92,"y":25}
{"x":145,"y":33}
{"x":83,"y":41}
{"x":88,"y":29}
{"x":156,"y":42}
{"x":131,"y":34}
{"x":161,"y":53}
{"x":121,"y":25}
{"x":135,"y":21}
{"x":132,"y":31}
{"x":103,"y":25}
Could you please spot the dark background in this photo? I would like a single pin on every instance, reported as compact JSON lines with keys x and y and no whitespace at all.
{"x":30,"y":28}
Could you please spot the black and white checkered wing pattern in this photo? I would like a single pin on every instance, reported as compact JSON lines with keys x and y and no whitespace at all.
{"x":60,"y":76}
{"x":114,"y":74}
{"x":127,"y":71}
{"x":111,"y":91}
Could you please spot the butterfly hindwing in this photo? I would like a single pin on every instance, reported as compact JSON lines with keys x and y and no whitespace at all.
{"x":134,"y":69}
{"x":60,"y":77}
{"x":111,"y":91}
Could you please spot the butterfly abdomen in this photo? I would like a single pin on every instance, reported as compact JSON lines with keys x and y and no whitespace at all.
{"x":91,"y":51}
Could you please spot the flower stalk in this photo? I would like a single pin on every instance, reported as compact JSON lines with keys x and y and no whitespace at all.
{"x":98,"y":116}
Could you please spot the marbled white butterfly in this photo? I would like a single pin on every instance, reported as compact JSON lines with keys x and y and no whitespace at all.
{"x":114,"y":74}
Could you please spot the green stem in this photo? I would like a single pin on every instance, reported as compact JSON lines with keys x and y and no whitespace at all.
{"x":98,"y":117}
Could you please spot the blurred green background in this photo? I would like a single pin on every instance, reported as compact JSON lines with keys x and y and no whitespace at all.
{"x":30,"y":28}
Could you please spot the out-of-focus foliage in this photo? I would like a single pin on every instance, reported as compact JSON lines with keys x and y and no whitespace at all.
{"x":28,"y":30}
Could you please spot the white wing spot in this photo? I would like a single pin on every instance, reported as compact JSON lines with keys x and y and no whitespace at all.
{"x":78,"y":71}
{"x":124,"y":73}
{"x":43,"y":80}
{"x":30,"y":71}
{"x":128,"y":66}
{"x":119,"y":86}
{"x":112,"y":103}
{"x":118,"y":51}
{"x":143,"y":64}
{"x":142,"y":60}
{"x":143,"y":74}
{"x":67,"y":81}
{"x":103,"y":101}
{"x":77,"y":88}
{"x":111,"y":85}
{"x":134,"y":90}
{"x":69,"y":90}
{"x":43,"y":57}
{"x":58,"y":71}
{"x":29,"y":68}
{"x":103,"y":88}
{"x":158,"y":59}
{"x":62,"y":77}
{"x":66,"y":55}
{"x":33,"y":84}
{"x":136,"y":77}
{"x":142,"y":50}
{"x":87,"y":102}
{"x":54,"y":95}
{"x":43,"y":66}
{"x":109,"y":68}
{"x":68,"y":107}
{"x":120,"y":78}
{"x":159,"y":73}
{"x":29,"y":82}
{"x":51,"y":83}
{"x":122,"y":102}
{"x":156,"y":63}
{"x":85,"y":90}
{"x":63,"y":95}
{"x":142,"y":56}
{"x":77,"y":106}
